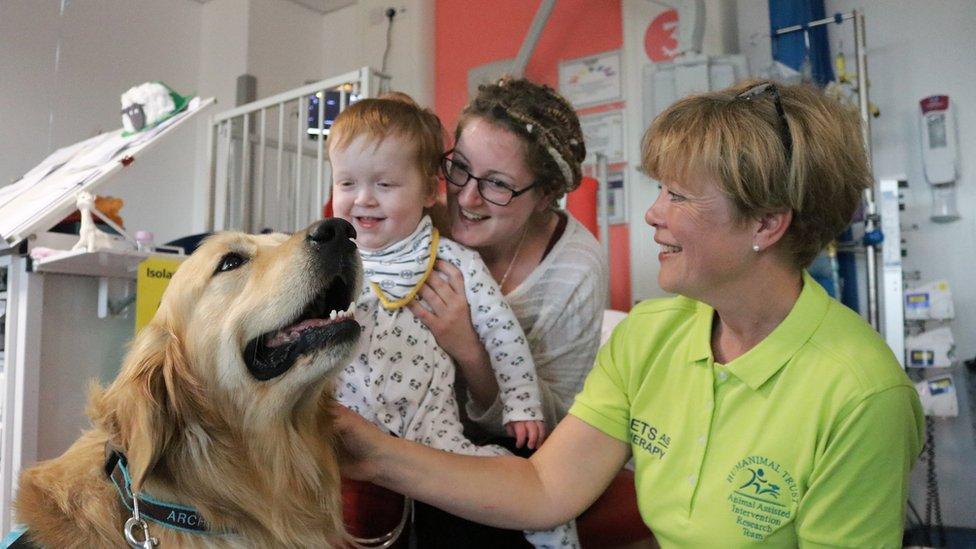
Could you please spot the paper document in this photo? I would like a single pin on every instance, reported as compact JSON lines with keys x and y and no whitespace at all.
{"x":53,"y":184}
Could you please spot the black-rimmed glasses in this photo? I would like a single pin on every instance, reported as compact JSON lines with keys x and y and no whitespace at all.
{"x":492,"y":190}
{"x":784,"y":130}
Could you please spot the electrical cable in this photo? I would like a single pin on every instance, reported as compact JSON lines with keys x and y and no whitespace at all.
{"x":970,"y":374}
{"x":390,"y":14}
{"x":932,"y":504}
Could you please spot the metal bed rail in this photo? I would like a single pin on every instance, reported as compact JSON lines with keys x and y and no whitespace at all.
{"x":268,"y":161}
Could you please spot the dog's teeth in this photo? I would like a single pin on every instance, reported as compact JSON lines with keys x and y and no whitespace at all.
{"x":333,"y":315}
{"x":349,"y":310}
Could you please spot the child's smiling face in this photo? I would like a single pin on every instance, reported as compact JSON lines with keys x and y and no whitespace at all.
{"x":380,"y":189}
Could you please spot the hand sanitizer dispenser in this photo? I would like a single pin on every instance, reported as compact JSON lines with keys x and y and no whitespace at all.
{"x":940,"y":155}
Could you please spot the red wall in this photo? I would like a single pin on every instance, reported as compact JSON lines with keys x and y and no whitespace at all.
{"x":470,"y":33}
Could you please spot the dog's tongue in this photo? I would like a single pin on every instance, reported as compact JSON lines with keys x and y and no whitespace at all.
{"x":293,"y":332}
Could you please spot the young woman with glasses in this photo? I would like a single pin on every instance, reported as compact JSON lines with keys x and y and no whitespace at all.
{"x":756,"y":408}
{"x":518,"y":149}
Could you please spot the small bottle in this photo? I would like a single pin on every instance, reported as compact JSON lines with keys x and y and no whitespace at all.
{"x":144,"y":241}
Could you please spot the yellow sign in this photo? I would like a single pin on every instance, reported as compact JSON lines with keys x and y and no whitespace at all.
{"x":151,"y":280}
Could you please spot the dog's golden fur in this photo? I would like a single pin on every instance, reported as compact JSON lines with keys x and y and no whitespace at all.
{"x":255,"y":458}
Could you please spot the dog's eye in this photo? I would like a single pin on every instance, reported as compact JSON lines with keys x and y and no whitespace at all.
{"x":230,"y":262}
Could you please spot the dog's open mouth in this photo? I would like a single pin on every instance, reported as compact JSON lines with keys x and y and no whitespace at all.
{"x":326,"y":321}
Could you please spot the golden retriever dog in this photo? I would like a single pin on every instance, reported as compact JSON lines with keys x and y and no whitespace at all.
{"x":222,"y":406}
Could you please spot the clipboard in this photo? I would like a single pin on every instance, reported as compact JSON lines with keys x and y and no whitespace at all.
{"x":47,"y":193}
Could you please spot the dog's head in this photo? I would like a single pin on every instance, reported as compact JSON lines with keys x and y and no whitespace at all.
{"x":245,"y":335}
{"x":273,"y":307}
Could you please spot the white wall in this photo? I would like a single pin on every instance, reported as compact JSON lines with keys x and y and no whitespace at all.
{"x":917,"y":49}
{"x":28,"y":39}
{"x":106,"y":47}
{"x":356,"y":36}
{"x":284,"y":45}
{"x":223,"y":49}
{"x":223,"y":57}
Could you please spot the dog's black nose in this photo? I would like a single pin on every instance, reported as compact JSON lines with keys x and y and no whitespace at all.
{"x":331,"y":229}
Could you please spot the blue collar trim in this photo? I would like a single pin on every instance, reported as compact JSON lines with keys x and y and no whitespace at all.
{"x":171,"y":515}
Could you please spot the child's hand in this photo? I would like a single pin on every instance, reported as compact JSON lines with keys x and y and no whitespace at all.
{"x":527,"y":433}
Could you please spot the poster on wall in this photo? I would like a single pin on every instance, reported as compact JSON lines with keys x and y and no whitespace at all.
{"x":616,"y":204}
{"x":152,"y":277}
{"x":604,"y":133}
{"x":660,"y":37}
{"x":616,"y":194}
{"x":591,"y":80}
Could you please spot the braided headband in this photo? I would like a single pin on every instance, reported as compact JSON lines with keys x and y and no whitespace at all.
{"x":547,"y":140}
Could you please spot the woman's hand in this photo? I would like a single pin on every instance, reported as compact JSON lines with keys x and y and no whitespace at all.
{"x":527,"y":433}
{"x":445,"y":312}
{"x":359,"y":444}
{"x":557,"y":483}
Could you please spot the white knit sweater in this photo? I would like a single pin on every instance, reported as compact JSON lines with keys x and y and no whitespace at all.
{"x":560,"y":307}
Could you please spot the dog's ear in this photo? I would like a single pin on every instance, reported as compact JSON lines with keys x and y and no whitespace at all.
{"x":146,"y":410}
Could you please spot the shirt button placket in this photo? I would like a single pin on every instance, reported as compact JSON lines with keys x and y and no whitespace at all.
{"x":695,"y":475}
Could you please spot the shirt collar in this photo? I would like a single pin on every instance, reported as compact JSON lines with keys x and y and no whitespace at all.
{"x":760,"y":363}
{"x":700,"y":346}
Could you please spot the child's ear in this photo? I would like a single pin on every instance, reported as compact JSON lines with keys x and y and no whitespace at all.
{"x":431,"y":197}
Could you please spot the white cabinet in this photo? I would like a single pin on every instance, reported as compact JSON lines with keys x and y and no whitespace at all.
{"x":56,"y":347}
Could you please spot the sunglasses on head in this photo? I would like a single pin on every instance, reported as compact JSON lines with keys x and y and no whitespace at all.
{"x":768,"y":88}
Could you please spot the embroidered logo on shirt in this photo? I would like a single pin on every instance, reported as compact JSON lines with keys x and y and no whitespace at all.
{"x":762,"y":496}
{"x":649,"y":438}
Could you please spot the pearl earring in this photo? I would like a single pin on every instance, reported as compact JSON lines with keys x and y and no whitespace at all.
{"x":755,"y":248}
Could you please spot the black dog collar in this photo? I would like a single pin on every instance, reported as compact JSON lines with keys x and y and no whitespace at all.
{"x":170,"y":515}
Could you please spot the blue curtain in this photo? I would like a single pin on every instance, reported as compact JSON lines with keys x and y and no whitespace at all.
{"x":790,"y":49}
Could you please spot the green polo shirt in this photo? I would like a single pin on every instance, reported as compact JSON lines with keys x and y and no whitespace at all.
{"x":806,"y":440}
